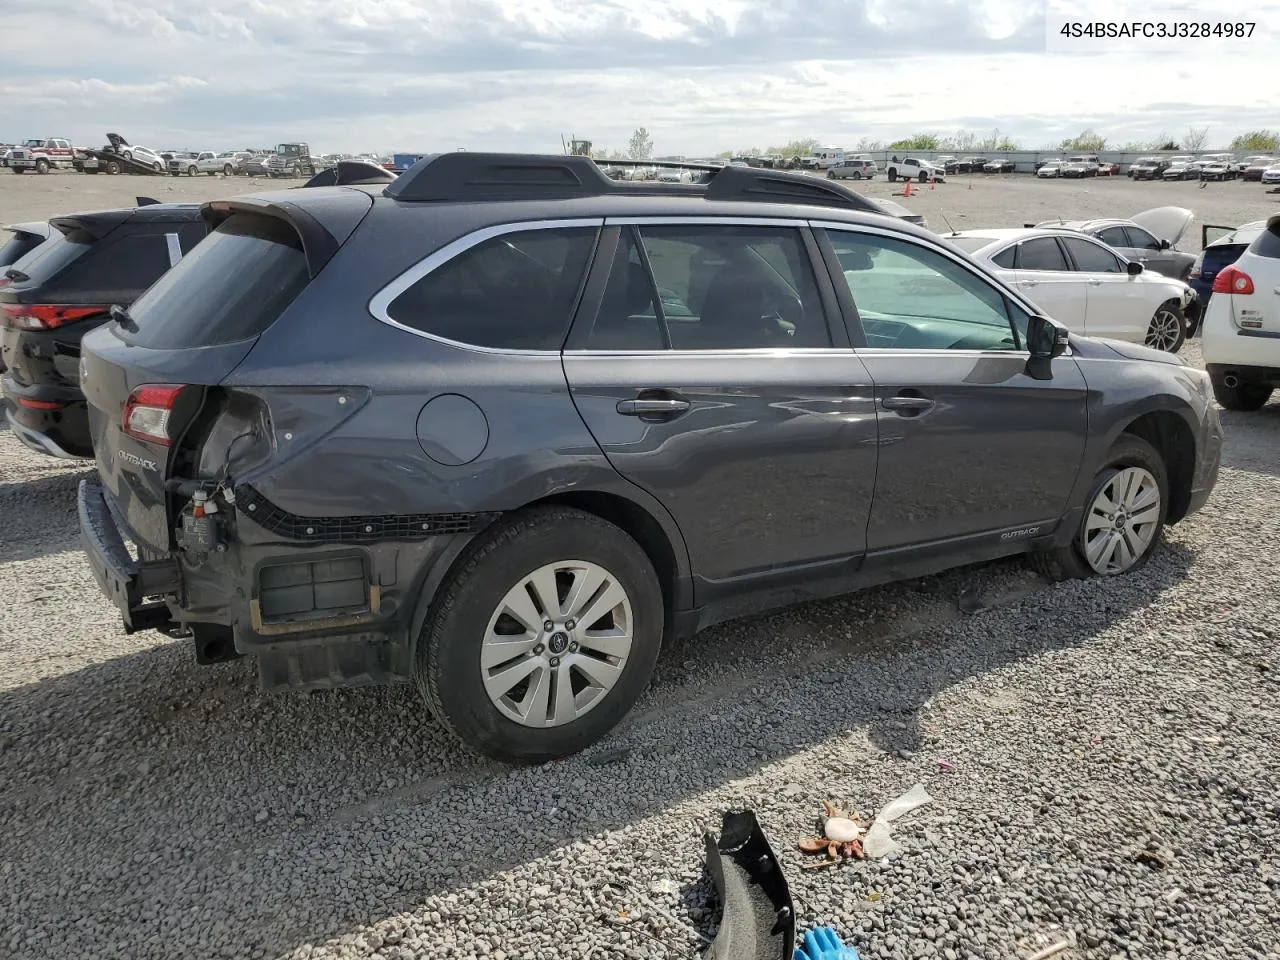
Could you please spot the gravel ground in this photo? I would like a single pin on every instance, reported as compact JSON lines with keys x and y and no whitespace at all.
{"x":153,"y":808}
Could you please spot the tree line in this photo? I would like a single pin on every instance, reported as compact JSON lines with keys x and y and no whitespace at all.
{"x":1194,"y":140}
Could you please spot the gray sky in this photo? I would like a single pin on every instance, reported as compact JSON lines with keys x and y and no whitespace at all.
{"x":701,"y":75}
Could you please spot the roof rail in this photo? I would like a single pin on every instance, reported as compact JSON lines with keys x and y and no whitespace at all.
{"x":464,"y":176}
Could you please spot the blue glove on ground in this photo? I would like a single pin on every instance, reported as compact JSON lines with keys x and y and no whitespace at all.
{"x":822,"y":943}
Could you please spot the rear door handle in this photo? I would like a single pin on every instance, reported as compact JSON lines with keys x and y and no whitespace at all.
{"x":908,"y":405}
{"x":652,"y":407}
{"x":1028,"y":283}
{"x":1095,"y":283}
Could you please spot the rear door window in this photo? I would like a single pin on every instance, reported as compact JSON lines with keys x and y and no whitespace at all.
{"x":517,"y":291}
{"x":1041,"y":253}
{"x":231,"y":286}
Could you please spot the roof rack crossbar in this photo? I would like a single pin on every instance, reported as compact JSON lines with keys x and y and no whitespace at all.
{"x":464,"y":176}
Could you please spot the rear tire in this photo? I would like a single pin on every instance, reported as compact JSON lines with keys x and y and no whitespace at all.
{"x":482,"y":709}
{"x":1130,"y":460}
{"x":1168,"y":328}
{"x":1243,"y":397}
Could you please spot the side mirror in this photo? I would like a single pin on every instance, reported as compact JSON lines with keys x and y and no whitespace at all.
{"x":1046,"y":337}
{"x":1134,"y":268}
{"x":1164,"y":244}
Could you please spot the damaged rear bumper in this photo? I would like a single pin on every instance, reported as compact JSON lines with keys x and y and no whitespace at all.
{"x":128,"y":583}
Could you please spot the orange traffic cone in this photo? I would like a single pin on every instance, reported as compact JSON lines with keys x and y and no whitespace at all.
{"x":906,"y":191}
{"x":931,"y":183}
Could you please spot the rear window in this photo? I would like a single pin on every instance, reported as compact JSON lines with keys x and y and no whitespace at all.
{"x":231,"y":286}
{"x":969,"y":244}
{"x":50,"y":258}
{"x":1268,"y":243}
{"x":17,"y":245}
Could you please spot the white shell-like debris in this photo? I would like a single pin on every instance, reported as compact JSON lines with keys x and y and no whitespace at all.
{"x":841,"y":829}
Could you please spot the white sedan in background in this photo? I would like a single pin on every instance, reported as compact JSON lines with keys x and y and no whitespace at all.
{"x":1050,"y":168}
{"x":1084,"y":284}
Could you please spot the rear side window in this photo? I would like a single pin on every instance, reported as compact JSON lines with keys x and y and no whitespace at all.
{"x":231,"y":286}
{"x":1268,"y":242}
{"x":513,"y":292}
{"x":17,"y":245}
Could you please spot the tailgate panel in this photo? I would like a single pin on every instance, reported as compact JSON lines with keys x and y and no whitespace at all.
{"x":135,"y":471}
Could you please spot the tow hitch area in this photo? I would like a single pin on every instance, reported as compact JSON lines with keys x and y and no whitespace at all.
{"x":758,"y":920}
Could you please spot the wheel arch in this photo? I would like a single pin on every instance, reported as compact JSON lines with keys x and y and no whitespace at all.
{"x":659,"y":538}
{"x":1174,"y":439}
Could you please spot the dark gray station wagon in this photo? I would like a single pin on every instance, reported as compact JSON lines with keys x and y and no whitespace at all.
{"x":502,"y":425}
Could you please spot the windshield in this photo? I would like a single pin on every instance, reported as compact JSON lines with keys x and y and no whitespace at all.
{"x":33,"y":143}
{"x":287,"y":150}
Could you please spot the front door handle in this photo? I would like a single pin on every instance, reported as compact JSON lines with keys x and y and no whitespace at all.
{"x":1095,"y":283}
{"x":908,"y":406}
{"x":1028,"y":283}
{"x":653,"y":406}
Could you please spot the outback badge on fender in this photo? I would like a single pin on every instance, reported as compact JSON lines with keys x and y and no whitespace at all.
{"x":136,"y":460}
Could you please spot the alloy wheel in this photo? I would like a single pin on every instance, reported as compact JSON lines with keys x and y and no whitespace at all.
{"x":1165,"y":330}
{"x":557,"y":643}
{"x":1122,"y":521}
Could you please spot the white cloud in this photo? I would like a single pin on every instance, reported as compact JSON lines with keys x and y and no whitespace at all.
{"x":701,"y":75}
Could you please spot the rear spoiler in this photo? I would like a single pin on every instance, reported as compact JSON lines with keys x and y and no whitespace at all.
{"x":318,"y":244}
{"x":37,"y":228}
{"x":94,"y":225}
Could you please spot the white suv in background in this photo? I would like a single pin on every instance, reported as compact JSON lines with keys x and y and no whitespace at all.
{"x":1242,"y":325}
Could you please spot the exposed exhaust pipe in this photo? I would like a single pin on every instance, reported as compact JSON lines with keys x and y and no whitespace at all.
{"x":1230,"y":380}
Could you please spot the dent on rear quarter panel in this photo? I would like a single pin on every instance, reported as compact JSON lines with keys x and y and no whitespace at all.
{"x":373,"y":462}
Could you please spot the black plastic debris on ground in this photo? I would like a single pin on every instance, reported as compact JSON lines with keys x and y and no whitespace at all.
{"x":758,"y":920}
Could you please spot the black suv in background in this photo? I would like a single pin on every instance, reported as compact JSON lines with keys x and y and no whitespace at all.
{"x":501,"y":425}
{"x":63,"y":288}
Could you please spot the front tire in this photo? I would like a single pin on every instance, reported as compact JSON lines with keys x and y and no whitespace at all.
{"x":509,"y":686}
{"x":893,"y":175}
{"x":923,"y":177}
{"x":1168,"y":328}
{"x":192,"y":171}
{"x":1243,"y":397}
{"x":227,"y":170}
{"x":42,"y":166}
{"x":1123,"y":517}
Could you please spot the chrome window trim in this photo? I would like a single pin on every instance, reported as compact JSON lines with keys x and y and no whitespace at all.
{"x":779,"y":352}
{"x":382,"y":300}
{"x":688,"y":221}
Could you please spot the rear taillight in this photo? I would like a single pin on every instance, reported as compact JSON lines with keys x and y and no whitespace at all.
{"x":1233,"y":280}
{"x":148,"y":410}
{"x":45,"y":316}
{"x":39,"y":404}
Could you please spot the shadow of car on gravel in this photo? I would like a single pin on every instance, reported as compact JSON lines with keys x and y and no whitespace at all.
{"x":1252,"y":439}
{"x":141,"y":785}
